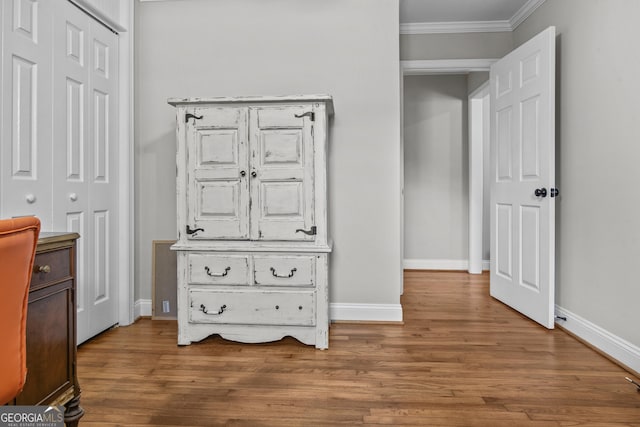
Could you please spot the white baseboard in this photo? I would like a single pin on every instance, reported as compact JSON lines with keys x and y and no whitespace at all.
{"x":610,"y":344}
{"x":366,"y":312}
{"x":142,"y":307}
{"x":440,"y":264}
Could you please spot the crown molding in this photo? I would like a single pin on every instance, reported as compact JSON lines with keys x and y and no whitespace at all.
{"x":444,"y":66}
{"x":455,"y":27}
{"x":473,"y":26}
{"x":527,"y":9}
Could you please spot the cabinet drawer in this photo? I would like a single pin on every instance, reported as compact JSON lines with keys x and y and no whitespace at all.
{"x":252,"y":307}
{"x":50,"y":267}
{"x":284,"y":270}
{"x":206,"y":269}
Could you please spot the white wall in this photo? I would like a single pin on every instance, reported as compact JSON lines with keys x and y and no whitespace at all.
{"x":455,"y":46}
{"x":598,"y":212}
{"x":436,"y":170}
{"x":345,"y":48}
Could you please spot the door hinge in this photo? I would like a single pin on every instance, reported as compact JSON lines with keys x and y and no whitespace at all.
{"x":189,"y":116}
{"x":311,"y":232}
{"x":310,"y":114}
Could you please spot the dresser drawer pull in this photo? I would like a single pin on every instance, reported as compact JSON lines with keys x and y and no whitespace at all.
{"x":205,"y":311}
{"x":209,"y":273}
{"x":42,"y":269}
{"x":273,"y":272}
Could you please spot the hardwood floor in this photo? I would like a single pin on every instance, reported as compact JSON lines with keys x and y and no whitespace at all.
{"x":460,"y":359}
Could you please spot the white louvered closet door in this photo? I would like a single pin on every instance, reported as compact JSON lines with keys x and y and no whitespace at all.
{"x":85,"y":157}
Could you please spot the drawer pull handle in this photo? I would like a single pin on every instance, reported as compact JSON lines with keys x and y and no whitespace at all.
{"x":42,"y":269}
{"x":205,"y":311}
{"x":293,"y":271}
{"x":209,"y":273}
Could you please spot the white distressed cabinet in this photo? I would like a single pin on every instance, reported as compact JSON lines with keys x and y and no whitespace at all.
{"x":253,"y":245}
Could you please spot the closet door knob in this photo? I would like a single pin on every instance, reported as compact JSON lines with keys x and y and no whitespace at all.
{"x":73,"y":197}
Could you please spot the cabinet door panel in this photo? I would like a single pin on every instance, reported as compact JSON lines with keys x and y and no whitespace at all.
{"x":217,"y":154}
{"x":282,"y":159}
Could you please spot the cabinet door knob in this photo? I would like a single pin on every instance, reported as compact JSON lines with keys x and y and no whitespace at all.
{"x":73,"y":197}
{"x":30,"y":198}
{"x":243,"y":173}
{"x":254,"y":174}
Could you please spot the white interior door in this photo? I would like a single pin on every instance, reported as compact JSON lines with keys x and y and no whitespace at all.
{"x":523,"y":178}
{"x":25,"y":151}
{"x":85,"y":182}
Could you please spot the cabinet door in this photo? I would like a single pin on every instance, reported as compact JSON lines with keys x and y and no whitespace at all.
{"x":281,"y":173}
{"x":217,"y":173}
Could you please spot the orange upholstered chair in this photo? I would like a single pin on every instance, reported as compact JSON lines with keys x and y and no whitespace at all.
{"x":18,"y":240}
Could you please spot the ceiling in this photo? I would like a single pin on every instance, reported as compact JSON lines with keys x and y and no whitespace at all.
{"x":432,"y":11}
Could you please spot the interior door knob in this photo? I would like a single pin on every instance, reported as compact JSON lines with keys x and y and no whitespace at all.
{"x":540,"y":192}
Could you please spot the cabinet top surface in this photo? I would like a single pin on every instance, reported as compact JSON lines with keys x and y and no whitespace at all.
{"x":327,"y":99}
{"x":48,"y":237}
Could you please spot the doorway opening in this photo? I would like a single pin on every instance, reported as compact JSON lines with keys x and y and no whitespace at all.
{"x":456,"y":124}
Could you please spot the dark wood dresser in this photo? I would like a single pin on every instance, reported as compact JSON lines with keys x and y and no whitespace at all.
{"x":51,"y":328}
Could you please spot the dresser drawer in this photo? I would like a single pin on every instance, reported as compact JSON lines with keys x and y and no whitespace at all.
{"x":284,"y":270}
{"x":51,"y":267}
{"x":207,"y":269}
{"x":252,"y":307}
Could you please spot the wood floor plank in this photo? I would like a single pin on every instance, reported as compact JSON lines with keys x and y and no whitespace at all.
{"x":460,"y":359}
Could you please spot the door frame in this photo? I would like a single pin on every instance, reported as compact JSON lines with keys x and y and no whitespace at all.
{"x":452,"y":66}
{"x":479,"y":127}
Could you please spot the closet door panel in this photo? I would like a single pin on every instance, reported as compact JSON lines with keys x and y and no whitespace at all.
{"x":103,"y":179}
{"x":25,"y":153}
{"x":71,"y":136}
{"x":84,"y":182}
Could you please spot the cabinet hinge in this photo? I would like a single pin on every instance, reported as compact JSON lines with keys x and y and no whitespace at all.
{"x":310,"y":114}
{"x":189,"y":116}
